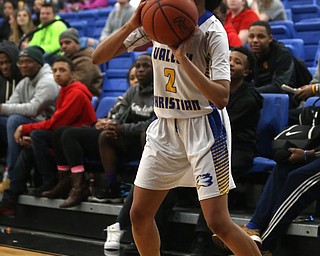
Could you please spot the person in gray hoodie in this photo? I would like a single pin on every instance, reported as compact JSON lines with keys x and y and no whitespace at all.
{"x":33,"y":99}
{"x":9,"y":77}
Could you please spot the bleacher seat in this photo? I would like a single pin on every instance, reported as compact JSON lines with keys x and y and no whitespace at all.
{"x":304,"y":11}
{"x":289,"y":14}
{"x":103,"y":13}
{"x":81,"y":26}
{"x":296,"y":47}
{"x":312,"y":70}
{"x":282,"y":29}
{"x":316,"y":56}
{"x":104,"y":106}
{"x":90,"y":16}
{"x":289,"y":3}
{"x":122,"y":61}
{"x":273,"y":118}
{"x":309,"y":31}
{"x":98,"y":28}
{"x":69,"y":16}
{"x":311,"y":100}
{"x":116,"y":73}
{"x":95,"y":101}
{"x":114,"y":86}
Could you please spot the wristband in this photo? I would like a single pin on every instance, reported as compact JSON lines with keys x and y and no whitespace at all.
{"x":314,"y":87}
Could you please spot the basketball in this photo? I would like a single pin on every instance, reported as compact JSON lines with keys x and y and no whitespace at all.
{"x":169,"y":21}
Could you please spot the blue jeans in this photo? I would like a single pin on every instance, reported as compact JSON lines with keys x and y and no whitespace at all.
{"x":288,"y":191}
{"x":14,"y":149}
{"x":20,"y":176}
{"x":44,"y":158}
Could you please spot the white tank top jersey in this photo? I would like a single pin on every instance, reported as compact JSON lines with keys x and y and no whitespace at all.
{"x":175,"y":95}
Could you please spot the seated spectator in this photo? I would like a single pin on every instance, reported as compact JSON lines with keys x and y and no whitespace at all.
{"x":113,"y":139}
{"x":275,"y":64}
{"x":8,"y":9}
{"x":48,"y":32}
{"x":269,"y":10}
{"x":290,"y":188}
{"x":244,"y":113}
{"x":73,"y":108}
{"x":121,"y":13}
{"x":21,"y":24}
{"x":32,"y":100}
{"x":241,"y":17}
{"x":85,"y":71}
{"x":9,"y":78}
{"x":233,"y":37}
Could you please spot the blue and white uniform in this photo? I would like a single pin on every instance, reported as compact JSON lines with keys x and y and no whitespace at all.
{"x":189,"y":143}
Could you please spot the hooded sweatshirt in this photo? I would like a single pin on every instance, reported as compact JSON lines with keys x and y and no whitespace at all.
{"x":73,"y":108}
{"x":8,"y":84}
{"x":34,"y":98}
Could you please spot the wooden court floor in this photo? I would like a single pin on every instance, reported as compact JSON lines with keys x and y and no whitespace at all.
{"x":10,"y":251}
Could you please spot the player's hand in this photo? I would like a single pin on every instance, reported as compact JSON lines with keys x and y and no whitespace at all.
{"x":135,"y":20}
{"x":297,"y":155}
{"x":180,"y":51}
{"x":304,"y":92}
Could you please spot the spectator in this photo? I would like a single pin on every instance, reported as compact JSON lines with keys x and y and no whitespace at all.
{"x":275,"y":64}
{"x":21,"y":24}
{"x":9,"y":78}
{"x":86,"y":71}
{"x":233,"y":37}
{"x":32,"y":100}
{"x":8,"y":8}
{"x":117,"y":139}
{"x":244,"y":113}
{"x":73,"y":108}
{"x":241,"y":17}
{"x":48,"y":32}
{"x":36,"y":11}
{"x":290,"y":188}
{"x":117,"y":17}
{"x":269,"y":10}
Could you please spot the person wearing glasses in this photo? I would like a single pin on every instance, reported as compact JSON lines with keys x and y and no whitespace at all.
{"x":33,"y":99}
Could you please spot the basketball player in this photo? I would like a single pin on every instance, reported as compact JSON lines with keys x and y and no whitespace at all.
{"x":188,"y":145}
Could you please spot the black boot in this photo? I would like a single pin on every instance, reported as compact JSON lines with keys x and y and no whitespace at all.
{"x":79,"y":191}
{"x":63,"y":187}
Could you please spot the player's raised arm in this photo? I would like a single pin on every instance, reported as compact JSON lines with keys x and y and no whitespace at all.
{"x":112,"y":45}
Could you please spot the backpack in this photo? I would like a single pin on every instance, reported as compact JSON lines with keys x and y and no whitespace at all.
{"x":305,"y":135}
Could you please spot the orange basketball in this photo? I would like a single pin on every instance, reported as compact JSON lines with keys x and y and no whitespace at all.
{"x":169,"y":21}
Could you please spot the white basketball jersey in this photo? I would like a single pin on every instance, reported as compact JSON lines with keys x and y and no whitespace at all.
{"x":175,"y":95}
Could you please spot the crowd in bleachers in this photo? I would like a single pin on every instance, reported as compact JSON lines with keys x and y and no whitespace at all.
{"x":282,"y":36}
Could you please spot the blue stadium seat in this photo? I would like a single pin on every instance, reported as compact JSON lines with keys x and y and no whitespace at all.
{"x":281,"y":32}
{"x":296,"y":46}
{"x":116,"y":73}
{"x":95,"y":101}
{"x":122,"y":61}
{"x":69,"y":16}
{"x":104,"y":106}
{"x":316,"y":56}
{"x":289,"y":3}
{"x":289,"y":30}
{"x":103,"y":13}
{"x":273,"y":118}
{"x":312,"y":70}
{"x":135,"y":55}
{"x":289,"y":14}
{"x":81,"y":26}
{"x":309,"y":31}
{"x":114,"y":86}
{"x":304,"y":11}
{"x":311,"y":100}
{"x":90,"y":17}
{"x":98,"y":28}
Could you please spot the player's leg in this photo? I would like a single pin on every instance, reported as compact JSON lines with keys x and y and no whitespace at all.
{"x":144,"y":229}
{"x":218,"y":219}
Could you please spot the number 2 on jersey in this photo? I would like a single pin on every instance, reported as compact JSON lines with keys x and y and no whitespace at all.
{"x":170,"y":73}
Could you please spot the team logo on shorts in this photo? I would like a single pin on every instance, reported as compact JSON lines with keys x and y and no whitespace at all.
{"x":204,"y":180}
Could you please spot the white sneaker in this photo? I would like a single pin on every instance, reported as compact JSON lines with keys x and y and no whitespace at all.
{"x":114,"y":234}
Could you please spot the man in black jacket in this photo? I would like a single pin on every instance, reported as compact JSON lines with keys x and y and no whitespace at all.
{"x":275,"y":64}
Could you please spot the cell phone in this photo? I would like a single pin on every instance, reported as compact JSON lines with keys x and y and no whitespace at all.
{"x":288,"y":88}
